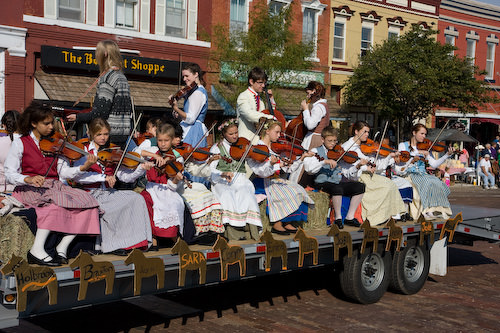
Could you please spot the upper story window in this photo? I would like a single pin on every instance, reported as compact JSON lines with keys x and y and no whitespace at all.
{"x":338,"y":40}
{"x":175,"y":18}
{"x":471,"y":50}
{"x":126,"y":11}
{"x":395,"y":25}
{"x":238,"y":16}
{"x":366,"y":39}
{"x":490,"y":61}
{"x":450,"y":34}
{"x":276,"y":6}
{"x":311,"y":10}
{"x":72,"y":10}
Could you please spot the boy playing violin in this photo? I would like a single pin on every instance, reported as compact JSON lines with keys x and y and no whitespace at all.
{"x":329,"y":178}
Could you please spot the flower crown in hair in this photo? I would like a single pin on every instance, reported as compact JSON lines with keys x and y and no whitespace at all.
{"x":270,"y":122}
{"x":227,"y":123}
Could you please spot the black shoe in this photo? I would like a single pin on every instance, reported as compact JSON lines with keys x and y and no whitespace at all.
{"x":354,"y":222}
{"x":339,"y":223}
{"x":93,"y":252}
{"x":42,"y":262}
{"x":61,"y":257}
{"x":154,"y":248}
{"x":408,"y":217}
{"x":279,"y":232}
{"x":120,"y":252}
{"x":402,"y":218}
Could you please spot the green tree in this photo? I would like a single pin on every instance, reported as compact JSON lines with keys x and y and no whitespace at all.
{"x":269,"y":43}
{"x":408,"y":77}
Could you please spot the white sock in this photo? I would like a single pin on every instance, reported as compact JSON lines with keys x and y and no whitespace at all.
{"x":38,"y":249}
{"x":63,"y":245}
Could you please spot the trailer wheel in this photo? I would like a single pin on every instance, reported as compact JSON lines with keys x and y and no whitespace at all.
{"x":410,"y":268}
{"x":364,"y":278}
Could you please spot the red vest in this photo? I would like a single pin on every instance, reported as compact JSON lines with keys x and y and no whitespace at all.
{"x":156,"y":177}
{"x":34,"y":163}
{"x":324,"y":122}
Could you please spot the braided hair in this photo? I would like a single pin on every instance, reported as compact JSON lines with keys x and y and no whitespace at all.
{"x":9,"y":121}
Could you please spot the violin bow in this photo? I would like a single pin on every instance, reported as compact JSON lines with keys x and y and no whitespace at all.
{"x":128,"y":143}
{"x":199,"y":141}
{"x":439,"y":134}
{"x":347,"y":150}
{"x":382,"y":139}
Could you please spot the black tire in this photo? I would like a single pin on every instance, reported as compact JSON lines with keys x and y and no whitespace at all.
{"x":364,"y":278}
{"x":410,"y":268}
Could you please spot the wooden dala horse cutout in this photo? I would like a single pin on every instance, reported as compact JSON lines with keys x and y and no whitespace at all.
{"x":395,"y":235}
{"x":145,"y":267}
{"x":30,"y":278}
{"x":426,"y":228}
{"x":450,"y":226}
{"x":306,"y":245}
{"x":274,"y":249}
{"x":229,"y":254}
{"x":189,"y":261}
{"x":341,"y":239}
{"x":92,"y":271}
{"x":370,"y":235}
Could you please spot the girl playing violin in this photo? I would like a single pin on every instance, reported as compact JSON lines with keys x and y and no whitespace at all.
{"x":195,"y":105}
{"x":286,"y":201}
{"x":318,"y":117}
{"x":431,"y":195}
{"x":381,"y":199}
{"x":329,"y":178}
{"x":125,"y":224}
{"x":148,"y":147}
{"x":59,"y":208}
{"x":240,"y":210}
{"x":165,"y":205}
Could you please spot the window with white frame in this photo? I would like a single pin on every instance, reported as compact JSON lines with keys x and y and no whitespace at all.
{"x":308,"y":25}
{"x":490,"y":61}
{"x":338,"y":40}
{"x":126,"y":11}
{"x":175,"y":18}
{"x":238,"y":16}
{"x":275,"y":7}
{"x":471,"y":50}
{"x":366,"y":39}
{"x":393,"y":32}
{"x":72,"y":10}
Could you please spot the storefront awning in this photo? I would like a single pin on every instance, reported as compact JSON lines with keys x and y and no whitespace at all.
{"x":485,"y":120}
{"x":68,"y":88}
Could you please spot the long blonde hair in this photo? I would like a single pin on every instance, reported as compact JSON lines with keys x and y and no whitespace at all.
{"x":108,"y":55}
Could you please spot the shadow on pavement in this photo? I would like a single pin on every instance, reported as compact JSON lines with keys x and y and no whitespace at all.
{"x":464,"y":257}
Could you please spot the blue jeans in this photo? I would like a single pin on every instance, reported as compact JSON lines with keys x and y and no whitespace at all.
{"x":490,"y":178}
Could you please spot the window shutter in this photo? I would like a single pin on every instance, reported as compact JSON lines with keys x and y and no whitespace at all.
{"x":160,"y":17}
{"x":145,"y":15}
{"x":109,"y":13}
{"x":50,"y":9}
{"x":192,"y":19}
{"x":91,"y":14}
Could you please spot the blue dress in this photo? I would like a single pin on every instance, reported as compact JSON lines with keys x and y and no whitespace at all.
{"x":194,"y":132}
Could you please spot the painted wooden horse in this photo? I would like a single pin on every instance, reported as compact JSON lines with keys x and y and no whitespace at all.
{"x":189,"y":261}
{"x":229,"y":254}
{"x":92,"y":271}
{"x":145,"y":267}
{"x":30,"y":278}
{"x":306,"y":245}
{"x":395,"y":235}
{"x":450,"y":226}
{"x":341,"y":239}
{"x":426,"y":228}
{"x":370,"y":235}
{"x":274,"y":249}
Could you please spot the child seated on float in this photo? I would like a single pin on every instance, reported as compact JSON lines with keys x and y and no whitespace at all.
{"x":148,"y":147}
{"x":329,"y":178}
{"x":235,"y":192}
{"x":124,"y":224}
{"x":165,"y":205}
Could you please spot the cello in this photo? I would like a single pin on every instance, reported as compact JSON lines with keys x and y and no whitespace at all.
{"x":278,"y":115}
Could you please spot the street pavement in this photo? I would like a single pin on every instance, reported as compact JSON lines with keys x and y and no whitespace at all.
{"x":467,"y":299}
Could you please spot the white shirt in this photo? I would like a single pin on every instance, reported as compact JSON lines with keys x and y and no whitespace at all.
{"x":13,"y":164}
{"x":486,"y":164}
{"x":351,"y":171}
{"x":265,"y":169}
{"x":433,"y":163}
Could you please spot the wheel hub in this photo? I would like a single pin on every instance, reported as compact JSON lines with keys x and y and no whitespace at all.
{"x":372,"y":272}
{"x":414,"y":264}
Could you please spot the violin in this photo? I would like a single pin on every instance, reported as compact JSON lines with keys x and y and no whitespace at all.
{"x":172,"y":167}
{"x":371,"y":147}
{"x":290,"y":149}
{"x":337,"y":151}
{"x":198,"y":154}
{"x":185,"y":91}
{"x":141,"y":137}
{"x":51,"y":146}
{"x":258,"y":153}
{"x":111,"y":157}
{"x":427,"y":145}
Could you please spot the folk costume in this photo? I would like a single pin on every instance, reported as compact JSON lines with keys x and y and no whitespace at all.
{"x":125,"y":223}
{"x":286,"y":201}
{"x":58,"y":207}
{"x":249,"y":111}
{"x":240,"y":210}
{"x":430,"y":195}
{"x":5,"y":143}
{"x":196,"y":107}
{"x":381,"y":200}
{"x":165,"y":205}
{"x":315,"y":120}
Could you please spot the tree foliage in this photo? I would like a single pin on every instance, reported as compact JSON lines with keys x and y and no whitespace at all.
{"x":269,"y":43}
{"x":408,"y":77}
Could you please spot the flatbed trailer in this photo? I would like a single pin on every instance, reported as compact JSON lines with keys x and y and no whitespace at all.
{"x":364,"y":275}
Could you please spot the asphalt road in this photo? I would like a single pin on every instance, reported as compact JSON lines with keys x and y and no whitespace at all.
{"x":467,"y":299}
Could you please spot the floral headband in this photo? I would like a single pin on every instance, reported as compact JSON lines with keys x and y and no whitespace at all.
{"x":227,"y":123}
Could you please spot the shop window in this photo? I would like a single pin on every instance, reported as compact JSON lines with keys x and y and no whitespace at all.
{"x":238,"y":16}
{"x":175,"y":18}
{"x":126,"y":11}
{"x":339,"y":41}
{"x":71,"y":10}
